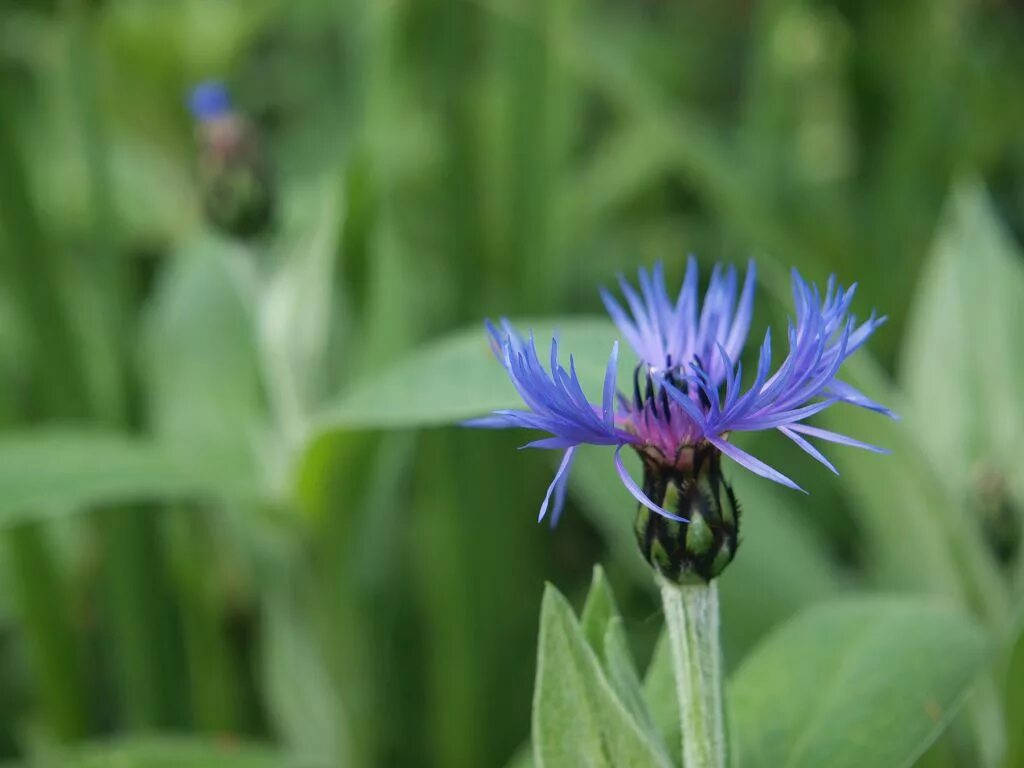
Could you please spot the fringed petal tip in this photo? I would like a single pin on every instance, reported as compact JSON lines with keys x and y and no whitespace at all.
{"x":850,"y":394}
{"x":755,"y":465}
{"x":838,"y":439}
{"x":487,"y":422}
{"x":672,"y":333}
{"x":557,"y":489}
{"x":553,"y":396}
{"x":887,"y":412}
{"x":637,"y":492}
{"x":809,"y":449}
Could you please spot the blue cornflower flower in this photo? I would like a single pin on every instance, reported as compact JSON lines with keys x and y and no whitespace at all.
{"x":235,"y":176}
{"x":210,"y":100}
{"x":687,"y":398}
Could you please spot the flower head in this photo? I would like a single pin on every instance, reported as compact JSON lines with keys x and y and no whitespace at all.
{"x":687,"y":396}
{"x":209,"y":100}
{"x":235,"y":176}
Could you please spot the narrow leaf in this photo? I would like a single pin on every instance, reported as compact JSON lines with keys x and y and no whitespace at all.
{"x":177,"y":752}
{"x":962,"y":353}
{"x":52,"y":470}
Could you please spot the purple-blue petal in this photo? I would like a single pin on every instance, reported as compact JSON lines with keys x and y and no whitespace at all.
{"x":554,"y":397}
{"x":821,"y":338}
{"x":755,"y":465}
{"x":835,"y":437}
{"x":557,"y":487}
{"x":807,"y":448}
{"x":637,"y":492}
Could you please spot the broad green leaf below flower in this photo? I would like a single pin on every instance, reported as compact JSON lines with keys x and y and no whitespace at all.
{"x":603,"y":628}
{"x":863,"y":682}
{"x":577,"y":717}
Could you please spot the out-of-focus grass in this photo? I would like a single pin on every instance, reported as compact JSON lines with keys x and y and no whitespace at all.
{"x":371,"y":599}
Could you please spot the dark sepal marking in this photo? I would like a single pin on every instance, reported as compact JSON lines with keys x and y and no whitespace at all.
{"x":698,"y":550}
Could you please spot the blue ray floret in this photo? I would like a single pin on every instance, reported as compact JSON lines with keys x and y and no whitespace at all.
{"x":209,"y":100}
{"x":687,"y":396}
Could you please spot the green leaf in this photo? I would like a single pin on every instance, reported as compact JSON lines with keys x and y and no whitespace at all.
{"x":599,"y":610}
{"x":604,"y":631}
{"x":52,"y":470}
{"x":621,"y":672}
{"x":871,"y":681}
{"x":930,"y":546}
{"x":457,"y":377}
{"x":200,"y":357}
{"x":660,"y":691}
{"x":299,"y":692}
{"x":296,"y":308}
{"x":577,"y":717}
{"x":175,"y":752}
{"x":962,"y":353}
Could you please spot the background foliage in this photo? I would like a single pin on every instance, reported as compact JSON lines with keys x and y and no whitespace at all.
{"x":235,"y":530}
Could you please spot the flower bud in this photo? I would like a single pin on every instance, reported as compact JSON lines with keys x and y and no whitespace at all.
{"x":700,"y":549}
{"x":998,"y":515}
{"x":234,"y":171}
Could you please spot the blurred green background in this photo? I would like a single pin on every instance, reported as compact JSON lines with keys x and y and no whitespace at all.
{"x":203,"y":563}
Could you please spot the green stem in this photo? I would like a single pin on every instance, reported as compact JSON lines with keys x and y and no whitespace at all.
{"x":691,"y":613}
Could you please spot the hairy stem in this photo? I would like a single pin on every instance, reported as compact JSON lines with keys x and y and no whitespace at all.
{"x":691,"y":613}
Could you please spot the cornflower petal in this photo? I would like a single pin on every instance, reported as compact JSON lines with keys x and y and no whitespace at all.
{"x":686,"y":403}
{"x":852,"y":395}
{"x":555,"y":399}
{"x":621,"y":320}
{"x":835,"y":437}
{"x":744,"y":313}
{"x":821,"y":338}
{"x":755,"y":465}
{"x":608,"y":399}
{"x":637,"y":492}
{"x":809,"y":449}
{"x":551,"y":443}
{"x":777,"y":419}
{"x":558,"y":488}
{"x":671,"y":336}
{"x":686,"y":309}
